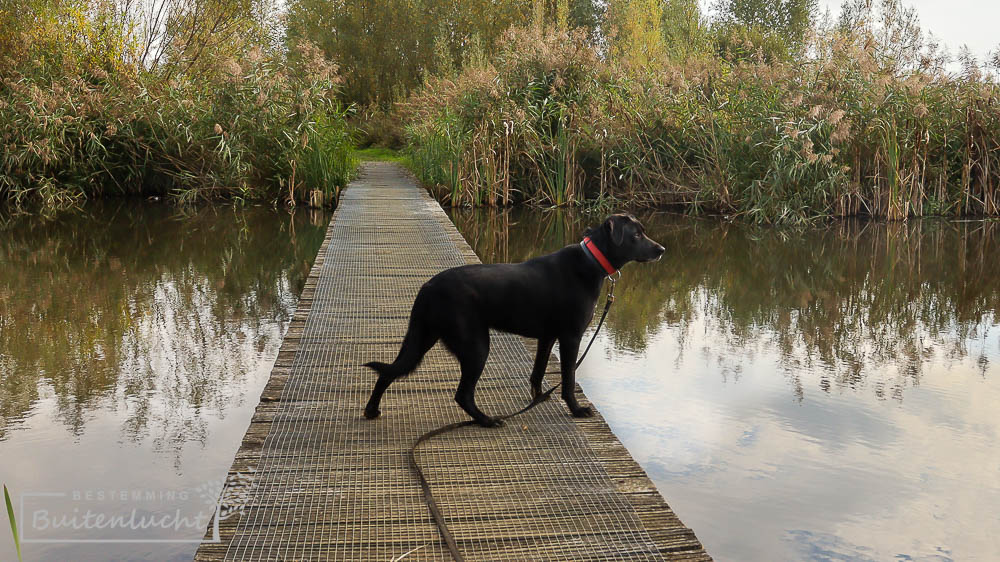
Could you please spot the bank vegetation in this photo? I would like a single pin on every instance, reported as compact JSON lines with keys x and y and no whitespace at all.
{"x":190,"y":100}
{"x":862,"y":116}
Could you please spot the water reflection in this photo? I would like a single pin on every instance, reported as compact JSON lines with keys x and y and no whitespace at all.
{"x":131,"y":332}
{"x":819,"y":394}
{"x":858,"y":299}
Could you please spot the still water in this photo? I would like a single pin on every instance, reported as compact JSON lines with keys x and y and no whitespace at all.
{"x":820,"y":394}
{"x":134,"y":343}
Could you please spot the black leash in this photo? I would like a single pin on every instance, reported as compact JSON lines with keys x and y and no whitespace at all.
{"x":428,"y":496}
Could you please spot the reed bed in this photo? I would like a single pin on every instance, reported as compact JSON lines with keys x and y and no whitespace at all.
{"x":838,"y":132}
{"x":79,"y":118}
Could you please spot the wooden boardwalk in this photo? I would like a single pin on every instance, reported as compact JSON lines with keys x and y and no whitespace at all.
{"x":326,"y":484}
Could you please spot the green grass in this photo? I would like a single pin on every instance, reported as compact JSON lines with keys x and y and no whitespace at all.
{"x":401,"y":157}
{"x":379,"y":154}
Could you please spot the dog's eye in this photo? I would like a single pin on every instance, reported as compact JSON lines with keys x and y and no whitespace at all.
{"x":637,"y":236}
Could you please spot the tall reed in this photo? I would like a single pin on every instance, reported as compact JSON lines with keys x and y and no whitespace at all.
{"x":837,"y":133}
{"x":78,"y":121}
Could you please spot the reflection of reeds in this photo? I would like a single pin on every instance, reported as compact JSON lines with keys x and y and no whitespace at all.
{"x":856,"y":297}
{"x":489,"y":231}
{"x":163,"y":306}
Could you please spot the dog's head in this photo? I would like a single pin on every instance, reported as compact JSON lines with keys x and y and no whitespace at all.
{"x":623,"y":239}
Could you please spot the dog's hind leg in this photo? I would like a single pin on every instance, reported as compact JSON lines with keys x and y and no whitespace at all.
{"x":418,"y":341}
{"x":541,"y":361}
{"x":387,"y":374}
{"x":568,"y":348}
{"x":384,"y":380}
{"x":471,"y":350}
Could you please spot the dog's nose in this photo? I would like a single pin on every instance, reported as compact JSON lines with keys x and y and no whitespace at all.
{"x":660,"y":250}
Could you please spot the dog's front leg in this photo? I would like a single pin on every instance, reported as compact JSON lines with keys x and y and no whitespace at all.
{"x":541,"y":361}
{"x":568,"y":348}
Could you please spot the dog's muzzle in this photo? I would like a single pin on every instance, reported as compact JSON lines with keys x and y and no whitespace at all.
{"x":657,"y":254}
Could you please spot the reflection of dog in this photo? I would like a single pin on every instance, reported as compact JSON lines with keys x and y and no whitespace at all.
{"x":550,"y":298}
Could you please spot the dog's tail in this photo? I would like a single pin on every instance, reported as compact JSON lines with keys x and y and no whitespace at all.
{"x":419,"y":338}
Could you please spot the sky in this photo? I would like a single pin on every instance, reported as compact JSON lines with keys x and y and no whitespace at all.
{"x":953,"y":22}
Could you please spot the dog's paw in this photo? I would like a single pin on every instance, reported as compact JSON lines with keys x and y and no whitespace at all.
{"x":583,"y":412}
{"x":372,"y":414}
{"x":539,"y":396}
{"x":492,"y":422}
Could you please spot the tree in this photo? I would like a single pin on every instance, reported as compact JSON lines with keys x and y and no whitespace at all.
{"x":776,"y":28}
{"x":572,"y":14}
{"x":889,"y":29}
{"x":634,"y":31}
{"x":387,"y":47}
{"x":197,"y":36}
{"x":685,"y":32}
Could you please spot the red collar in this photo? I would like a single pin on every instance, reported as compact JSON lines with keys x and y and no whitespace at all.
{"x":592,"y":249}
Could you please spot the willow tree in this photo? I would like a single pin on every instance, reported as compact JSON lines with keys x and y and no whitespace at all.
{"x":165,"y":38}
{"x":774,"y":28}
{"x":569,"y":14}
{"x":386,"y":47}
{"x":892,"y":32}
{"x":634,"y":33}
{"x":685,"y":30}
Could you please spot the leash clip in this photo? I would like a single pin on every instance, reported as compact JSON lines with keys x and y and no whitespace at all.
{"x":611,"y":289}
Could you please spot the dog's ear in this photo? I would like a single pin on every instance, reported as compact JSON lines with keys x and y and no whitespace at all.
{"x":615,"y":232}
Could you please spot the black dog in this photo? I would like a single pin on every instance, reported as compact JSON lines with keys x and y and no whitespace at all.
{"x":550,"y":298}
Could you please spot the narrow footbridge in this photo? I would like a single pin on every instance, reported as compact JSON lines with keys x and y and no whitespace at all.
{"x":323,"y":483}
